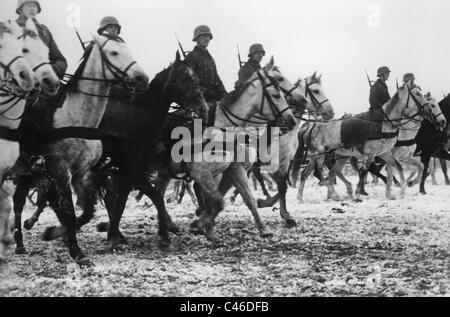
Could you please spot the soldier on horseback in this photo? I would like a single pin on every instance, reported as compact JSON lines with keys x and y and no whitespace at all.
{"x":110,"y":25}
{"x":379,"y":93}
{"x":256,"y":55}
{"x":409,"y":77}
{"x":30,"y":9}
{"x":204,"y":66}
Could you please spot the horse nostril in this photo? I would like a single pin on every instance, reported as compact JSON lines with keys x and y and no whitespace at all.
{"x":23,"y":75}
{"x":47,"y":81}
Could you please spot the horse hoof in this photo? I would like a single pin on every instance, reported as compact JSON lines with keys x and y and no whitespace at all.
{"x":29,"y":224}
{"x":85,"y":263}
{"x":364,"y":194}
{"x":21,"y":251}
{"x":290,"y":223}
{"x":175,"y":230}
{"x":267,"y":235}
{"x":53,"y":233}
{"x":358,"y":200}
{"x":165,"y":245}
{"x":103,"y":227}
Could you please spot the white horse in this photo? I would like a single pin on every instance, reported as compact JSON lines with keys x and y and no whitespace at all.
{"x":70,"y":160}
{"x":318,"y":104}
{"x":16,"y":79}
{"x":407,"y":105}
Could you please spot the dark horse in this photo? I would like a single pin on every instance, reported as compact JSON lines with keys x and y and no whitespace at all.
{"x":430,"y":143}
{"x":129,"y":133}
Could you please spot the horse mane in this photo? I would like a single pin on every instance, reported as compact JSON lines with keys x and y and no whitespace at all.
{"x":79,"y":72}
{"x":390,"y":105}
{"x":233,"y":96}
{"x":30,"y":33}
{"x":113,"y":37}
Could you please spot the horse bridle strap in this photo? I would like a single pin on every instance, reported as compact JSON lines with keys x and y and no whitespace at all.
{"x":118,"y":74}
{"x":316,"y":102}
{"x":41,"y":65}
{"x":7,"y":68}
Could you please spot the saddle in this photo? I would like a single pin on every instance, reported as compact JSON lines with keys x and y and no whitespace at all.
{"x":357,"y":130}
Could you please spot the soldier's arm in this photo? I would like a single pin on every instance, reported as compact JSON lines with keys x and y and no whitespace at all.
{"x":59,"y":62}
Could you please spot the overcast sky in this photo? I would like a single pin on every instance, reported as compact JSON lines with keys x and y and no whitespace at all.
{"x":338,"y":38}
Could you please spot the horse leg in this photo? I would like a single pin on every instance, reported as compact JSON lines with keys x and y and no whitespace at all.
{"x":426,"y":163}
{"x":201,"y":203}
{"x":176,"y":190}
{"x":399,"y":168}
{"x":163,"y":215}
{"x":419,"y":165}
{"x":445,"y":171}
{"x":19,"y":198}
{"x":238,"y":177}
{"x":5,"y":231}
{"x":65,"y":211}
{"x":182,"y":192}
{"x":85,"y":189}
{"x":341,"y":176}
{"x":305,"y":174}
{"x":191,"y":194}
{"x":154,"y":193}
{"x":208,"y":191}
{"x":282,"y":191}
{"x":234,"y":196}
{"x":259,"y":177}
{"x":362,"y":175}
{"x":41,"y":204}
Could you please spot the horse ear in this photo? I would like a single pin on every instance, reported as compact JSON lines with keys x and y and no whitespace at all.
{"x":271,"y":64}
{"x":177,"y":57}
{"x":15,"y":28}
{"x":30,"y":25}
{"x":428,"y":95}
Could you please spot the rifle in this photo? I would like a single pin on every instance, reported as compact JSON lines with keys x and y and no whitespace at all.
{"x":370,"y":81}
{"x":398,"y":86}
{"x":181,"y":46}
{"x":239,"y":57}
{"x":79,"y":38}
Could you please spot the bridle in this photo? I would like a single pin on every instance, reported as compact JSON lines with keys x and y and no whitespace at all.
{"x":12,"y":97}
{"x":265,"y":99}
{"x":119,"y":75}
{"x":7,"y":67}
{"x":420,"y":113}
{"x":317,"y":104}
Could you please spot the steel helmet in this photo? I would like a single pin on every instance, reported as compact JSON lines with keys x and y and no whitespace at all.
{"x":383,"y":71}
{"x":108,"y":21}
{"x":202,"y":30}
{"x":20,"y":4}
{"x":255,"y":48}
{"x":409,"y":77}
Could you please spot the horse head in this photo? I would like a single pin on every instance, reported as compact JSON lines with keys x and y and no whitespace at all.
{"x":37,"y":55}
{"x":182,"y":86}
{"x":293,"y":93}
{"x":13,"y":66}
{"x":318,"y":103}
{"x":415,"y":103}
{"x":434,"y":114}
{"x":270,"y":101}
{"x":117,"y":63}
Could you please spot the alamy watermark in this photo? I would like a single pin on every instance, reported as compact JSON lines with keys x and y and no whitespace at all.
{"x":230,"y":145}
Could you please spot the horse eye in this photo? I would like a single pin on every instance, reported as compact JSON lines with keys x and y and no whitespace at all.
{"x":25,"y":51}
{"x":114,"y":53}
{"x":277,"y":96}
{"x":280,"y":80}
{"x":316,"y":91}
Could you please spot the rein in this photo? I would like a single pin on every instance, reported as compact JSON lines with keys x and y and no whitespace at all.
{"x":119,"y":75}
{"x":265,"y":97}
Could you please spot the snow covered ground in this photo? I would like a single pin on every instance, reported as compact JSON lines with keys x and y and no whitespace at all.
{"x":373,"y":248}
